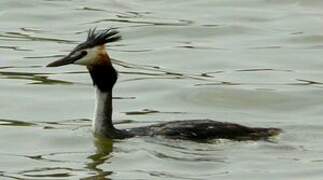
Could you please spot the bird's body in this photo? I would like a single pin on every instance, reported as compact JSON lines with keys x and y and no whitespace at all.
{"x":200,"y":130}
{"x":92,"y":53}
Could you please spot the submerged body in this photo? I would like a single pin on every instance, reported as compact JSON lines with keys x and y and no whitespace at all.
{"x":93,"y":55}
{"x":204,"y":130}
{"x":195,"y":130}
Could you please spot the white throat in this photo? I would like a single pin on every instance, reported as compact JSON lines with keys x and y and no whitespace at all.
{"x":103,"y":112}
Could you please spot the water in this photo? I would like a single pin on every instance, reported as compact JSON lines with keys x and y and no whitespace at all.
{"x":255,"y":62}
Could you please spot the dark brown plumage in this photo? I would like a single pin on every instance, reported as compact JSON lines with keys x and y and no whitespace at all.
{"x":97,"y":38}
{"x":201,"y":130}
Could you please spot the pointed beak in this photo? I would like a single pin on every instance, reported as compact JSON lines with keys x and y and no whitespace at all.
{"x":69,"y":59}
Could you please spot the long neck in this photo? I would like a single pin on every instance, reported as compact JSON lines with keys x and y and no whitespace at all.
{"x":102,"y":121}
{"x":104,"y":77}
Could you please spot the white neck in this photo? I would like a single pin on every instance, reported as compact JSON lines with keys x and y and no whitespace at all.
{"x":103,"y":112}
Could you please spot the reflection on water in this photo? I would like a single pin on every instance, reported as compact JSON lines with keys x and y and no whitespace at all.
{"x":253,"y":62}
{"x":103,"y":149}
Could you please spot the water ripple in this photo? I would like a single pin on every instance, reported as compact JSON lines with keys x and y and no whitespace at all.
{"x":15,"y":48}
{"x":9,"y":122}
{"x":181,"y":22}
{"x":52,"y":172}
{"x":36,"y":78}
{"x":19,"y":36}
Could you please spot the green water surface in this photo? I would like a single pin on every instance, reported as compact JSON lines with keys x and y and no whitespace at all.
{"x":254,"y":62}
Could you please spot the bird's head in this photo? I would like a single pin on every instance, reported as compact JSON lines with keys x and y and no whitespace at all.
{"x":91,"y":52}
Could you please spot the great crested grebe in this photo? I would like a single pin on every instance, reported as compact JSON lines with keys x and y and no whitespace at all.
{"x":92,"y":54}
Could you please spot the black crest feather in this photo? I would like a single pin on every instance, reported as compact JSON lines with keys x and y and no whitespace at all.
{"x":100,"y":37}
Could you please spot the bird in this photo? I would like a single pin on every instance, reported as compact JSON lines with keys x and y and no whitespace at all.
{"x":93,"y":54}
